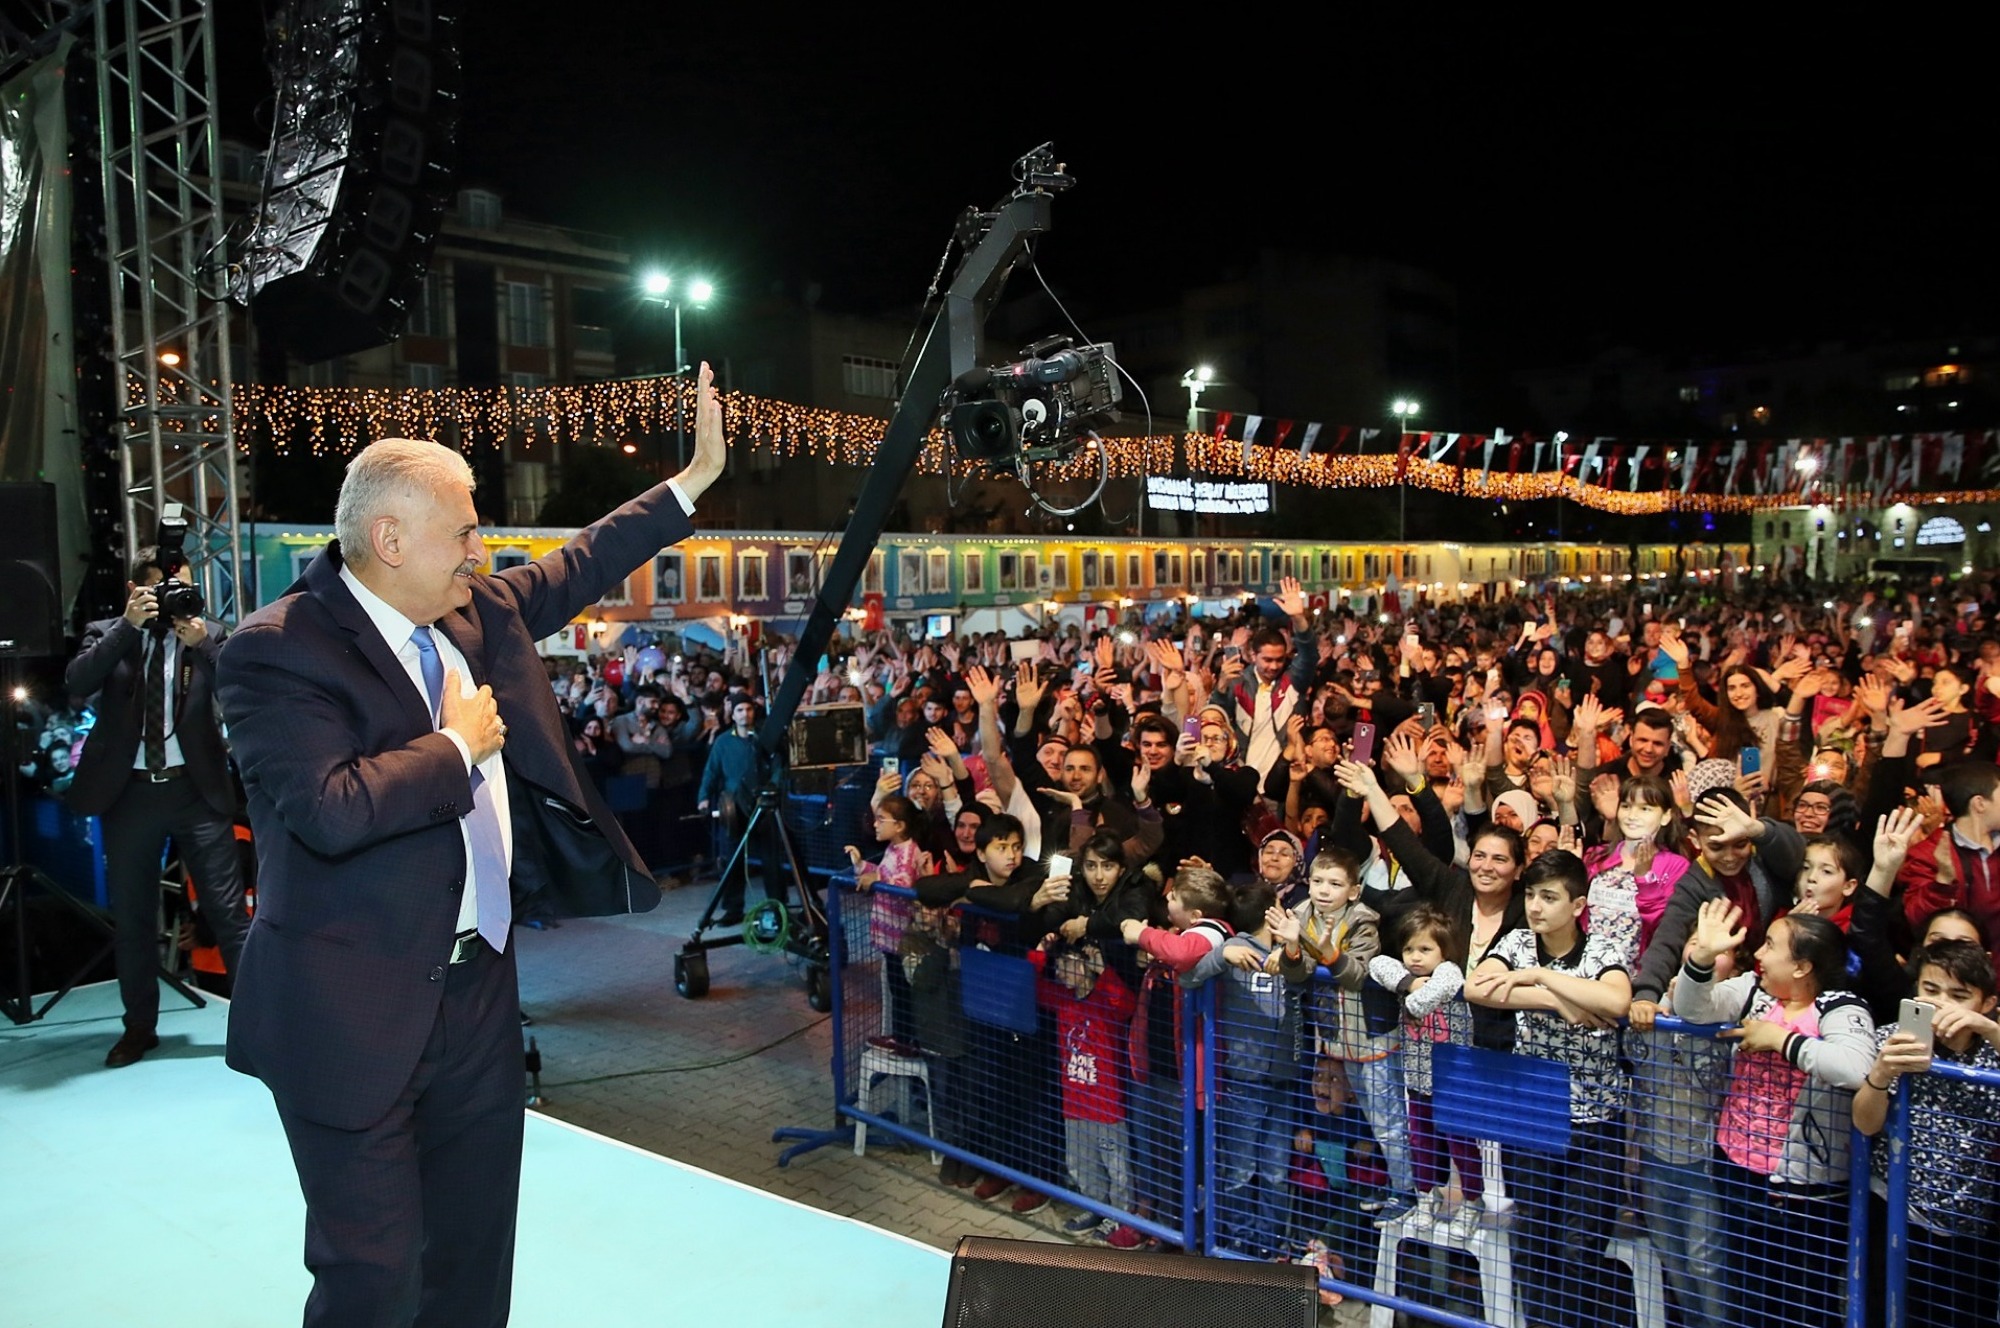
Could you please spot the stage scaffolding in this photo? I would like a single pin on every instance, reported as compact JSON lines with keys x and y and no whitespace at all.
{"x":164,"y":238}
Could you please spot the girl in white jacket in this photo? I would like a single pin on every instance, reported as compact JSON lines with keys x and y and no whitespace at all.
{"x":1802,"y":1046}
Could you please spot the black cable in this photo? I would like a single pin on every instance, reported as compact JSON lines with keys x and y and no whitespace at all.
{"x":702,"y":1065}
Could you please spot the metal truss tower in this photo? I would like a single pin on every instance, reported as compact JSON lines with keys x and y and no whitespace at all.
{"x":164,"y":238}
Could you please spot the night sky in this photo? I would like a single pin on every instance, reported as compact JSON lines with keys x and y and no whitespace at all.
{"x":1708,"y":199}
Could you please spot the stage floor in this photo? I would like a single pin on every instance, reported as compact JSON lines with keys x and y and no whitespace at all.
{"x":163,"y":1194}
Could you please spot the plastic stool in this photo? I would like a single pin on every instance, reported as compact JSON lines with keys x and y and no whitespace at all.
{"x":879,"y":1063}
{"x":1489,"y":1247}
{"x":1649,"y":1291}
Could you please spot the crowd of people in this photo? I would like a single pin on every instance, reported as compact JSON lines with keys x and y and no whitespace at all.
{"x":1533,"y":827}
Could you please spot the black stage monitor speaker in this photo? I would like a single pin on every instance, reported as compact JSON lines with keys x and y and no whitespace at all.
{"x":1008,"y":1283}
{"x":30,"y":590}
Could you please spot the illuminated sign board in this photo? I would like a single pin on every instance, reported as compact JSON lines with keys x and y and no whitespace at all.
{"x":1166,"y":494}
{"x":1940,"y":530}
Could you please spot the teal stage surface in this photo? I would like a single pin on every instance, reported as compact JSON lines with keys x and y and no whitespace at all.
{"x":162,"y":1194}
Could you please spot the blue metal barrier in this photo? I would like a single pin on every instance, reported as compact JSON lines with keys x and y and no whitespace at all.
{"x":1913,"y":1182}
{"x":892,"y":1084}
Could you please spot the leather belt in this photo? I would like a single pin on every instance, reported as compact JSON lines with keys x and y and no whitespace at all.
{"x":160,"y":776}
{"x":465,"y":945}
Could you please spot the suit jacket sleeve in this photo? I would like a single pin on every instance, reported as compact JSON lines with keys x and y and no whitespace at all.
{"x":294,"y":738}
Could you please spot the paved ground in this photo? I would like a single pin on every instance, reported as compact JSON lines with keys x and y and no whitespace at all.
{"x":707,"y":1081}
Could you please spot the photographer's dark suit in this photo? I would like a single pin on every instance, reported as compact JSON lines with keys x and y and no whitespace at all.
{"x":191,"y":799}
{"x":410,"y":1157}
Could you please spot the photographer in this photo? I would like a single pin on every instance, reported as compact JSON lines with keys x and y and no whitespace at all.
{"x":153,"y":766}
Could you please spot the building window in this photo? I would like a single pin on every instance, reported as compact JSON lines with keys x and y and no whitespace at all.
{"x":527,"y":314}
{"x":427,"y":376}
{"x":708,"y":576}
{"x":1198,"y":567}
{"x":430,"y":316}
{"x":1010,"y":571}
{"x":1135,"y":574}
{"x":479,"y":209}
{"x":871,"y":576}
{"x":866,"y":377}
{"x":909,"y":572}
{"x":1160,"y":567}
{"x":798,"y":573}
{"x":750,"y":574}
{"x":940,"y":571}
{"x":1256,"y":567}
{"x":1090,"y":569}
{"x":1031,"y":575}
{"x":1174,"y":569}
{"x":527,"y":380}
{"x":1690,"y":393}
{"x":669,"y":578}
{"x":974,"y":579}
{"x":1059,"y":564}
{"x":506,"y":558}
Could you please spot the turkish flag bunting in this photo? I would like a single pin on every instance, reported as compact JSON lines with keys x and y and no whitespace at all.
{"x":1222,"y":419}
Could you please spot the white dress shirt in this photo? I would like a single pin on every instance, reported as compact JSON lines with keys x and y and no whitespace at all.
{"x":396,"y":632}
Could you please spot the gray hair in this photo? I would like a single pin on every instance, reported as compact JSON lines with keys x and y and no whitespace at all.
{"x":383,"y":472}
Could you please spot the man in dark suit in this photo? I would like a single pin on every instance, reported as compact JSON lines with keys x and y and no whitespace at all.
{"x":154,"y":766}
{"x":411,"y":785}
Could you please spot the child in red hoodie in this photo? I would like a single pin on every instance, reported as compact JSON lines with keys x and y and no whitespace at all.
{"x":1093,"y":1011}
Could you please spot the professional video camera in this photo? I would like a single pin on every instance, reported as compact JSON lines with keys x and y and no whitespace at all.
{"x":173,"y":597}
{"x":1038,"y":409}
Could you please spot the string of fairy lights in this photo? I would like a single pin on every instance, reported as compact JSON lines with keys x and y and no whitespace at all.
{"x":338,"y":420}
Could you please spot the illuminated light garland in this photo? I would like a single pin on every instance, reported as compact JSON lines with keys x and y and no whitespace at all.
{"x":337,"y":420}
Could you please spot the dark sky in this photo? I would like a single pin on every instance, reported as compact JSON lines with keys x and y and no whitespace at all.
{"x":1680,"y":195}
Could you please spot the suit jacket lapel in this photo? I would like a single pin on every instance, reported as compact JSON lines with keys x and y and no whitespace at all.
{"x":322,"y":581}
{"x":464,"y":630}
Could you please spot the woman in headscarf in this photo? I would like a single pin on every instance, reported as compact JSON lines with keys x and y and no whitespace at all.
{"x":1281,"y":864}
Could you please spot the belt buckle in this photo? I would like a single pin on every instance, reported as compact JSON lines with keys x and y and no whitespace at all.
{"x":461,"y":947}
{"x":158,"y":777}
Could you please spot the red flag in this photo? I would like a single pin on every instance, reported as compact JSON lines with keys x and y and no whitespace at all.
{"x":1222,"y":419}
{"x":1340,"y":436}
{"x":1284,"y":431}
{"x":1403,"y":456}
{"x":1514,"y":457}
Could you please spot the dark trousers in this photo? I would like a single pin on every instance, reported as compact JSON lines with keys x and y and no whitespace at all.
{"x":764,"y":846}
{"x":1565,"y":1208}
{"x":411,"y":1220}
{"x":1775,"y":1232}
{"x":135,"y":830}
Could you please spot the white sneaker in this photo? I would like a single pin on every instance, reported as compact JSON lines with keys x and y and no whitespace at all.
{"x":1427,"y":1208}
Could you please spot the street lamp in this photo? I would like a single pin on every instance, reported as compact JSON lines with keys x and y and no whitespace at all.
{"x":658,"y":289}
{"x":1194,"y":381}
{"x":1404,"y":409}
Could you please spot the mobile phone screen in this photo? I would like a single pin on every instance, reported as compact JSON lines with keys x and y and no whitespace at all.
{"x":1058,"y":865}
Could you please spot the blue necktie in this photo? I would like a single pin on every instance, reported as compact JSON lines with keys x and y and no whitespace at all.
{"x":492,"y":899}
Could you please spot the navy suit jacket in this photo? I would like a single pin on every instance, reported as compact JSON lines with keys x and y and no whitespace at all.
{"x":109,"y":669}
{"x":355,"y":801}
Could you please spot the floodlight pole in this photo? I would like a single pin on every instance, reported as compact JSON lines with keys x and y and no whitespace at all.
{"x":952,"y":345}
